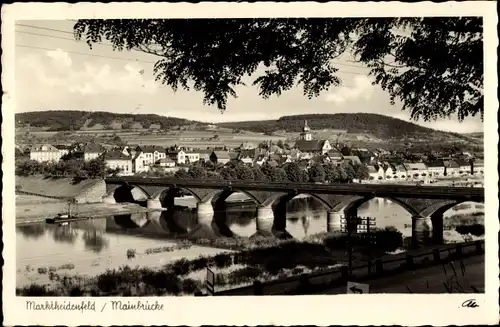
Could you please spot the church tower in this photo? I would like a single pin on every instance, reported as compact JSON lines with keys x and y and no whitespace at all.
{"x":306,"y":132}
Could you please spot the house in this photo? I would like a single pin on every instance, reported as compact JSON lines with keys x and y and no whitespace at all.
{"x":92,"y":151}
{"x":204,"y":154}
{"x":44,"y":153}
{"x":380,"y":171}
{"x":313,"y":147}
{"x":373,"y":173}
{"x":452,"y":168}
{"x":166,"y":163}
{"x":335,"y":154}
{"x":247,"y":156}
{"x":401,"y":172}
{"x":221,"y":157}
{"x":152,"y":153}
{"x":478,"y":167}
{"x":389,"y":171}
{"x":139,"y":161}
{"x":178,"y":155}
{"x":416,"y":170}
{"x":117,"y":160}
{"x":436,"y":168}
{"x":192,"y":156}
{"x":306,"y":144}
{"x":464,"y":167}
{"x":260,"y":159}
{"x":234,"y":155}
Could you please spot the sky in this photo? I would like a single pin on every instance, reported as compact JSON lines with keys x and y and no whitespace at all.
{"x":55,"y":72}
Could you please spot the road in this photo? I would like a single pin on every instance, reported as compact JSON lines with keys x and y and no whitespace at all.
{"x":429,"y":280}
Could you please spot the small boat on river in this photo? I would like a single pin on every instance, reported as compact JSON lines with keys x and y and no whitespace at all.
{"x":63,"y":219}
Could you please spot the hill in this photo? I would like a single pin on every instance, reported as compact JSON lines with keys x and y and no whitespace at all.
{"x":377,"y":125}
{"x":62,"y":120}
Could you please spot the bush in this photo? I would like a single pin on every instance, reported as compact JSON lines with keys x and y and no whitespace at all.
{"x":474,"y":229}
{"x":244,"y":275}
{"x":42,"y":270}
{"x":68,"y":266}
{"x":131,"y":253}
{"x":189,"y":285}
{"x":32,"y":290}
{"x":199,"y":263}
{"x":181,"y":267}
{"x":223,"y":260}
{"x":107,"y":282}
{"x":388,"y":239}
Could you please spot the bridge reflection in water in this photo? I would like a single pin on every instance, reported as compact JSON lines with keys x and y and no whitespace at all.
{"x":426,"y":205}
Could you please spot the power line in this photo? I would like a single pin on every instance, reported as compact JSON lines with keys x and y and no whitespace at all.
{"x":44,"y":28}
{"x":110,"y":45}
{"x":58,"y":37}
{"x":124,"y":59}
{"x":136,"y":60}
{"x":81,"y":53}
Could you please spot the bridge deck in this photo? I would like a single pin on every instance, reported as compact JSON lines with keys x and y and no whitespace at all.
{"x":371,"y":190}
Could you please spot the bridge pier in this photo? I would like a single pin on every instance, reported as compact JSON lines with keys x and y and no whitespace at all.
{"x":265,"y":221}
{"x":205,"y":228}
{"x":421,"y":230}
{"x":334,"y":221}
{"x":153,"y":204}
{"x":205,"y":212}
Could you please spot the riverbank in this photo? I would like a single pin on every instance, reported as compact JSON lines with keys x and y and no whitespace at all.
{"x":34,"y":209}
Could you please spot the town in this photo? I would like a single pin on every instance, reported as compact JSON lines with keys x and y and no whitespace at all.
{"x":306,"y":159}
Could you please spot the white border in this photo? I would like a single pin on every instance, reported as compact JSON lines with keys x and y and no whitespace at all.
{"x":372,"y":309}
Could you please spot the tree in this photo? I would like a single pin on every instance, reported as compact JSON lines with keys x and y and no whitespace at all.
{"x":258,"y":175}
{"x":349,"y":171}
{"x":182,"y":174}
{"x":346,"y":151}
{"x":317,"y":173}
{"x":244,"y":173}
{"x":197,"y":172}
{"x":228,"y":173}
{"x":361,"y":171}
{"x":273,"y":174}
{"x":294,"y":173}
{"x":95,"y":168}
{"x":331,"y":174}
{"x":434,"y":65}
{"x":118,"y":141}
{"x":28,"y":168}
{"x":341,"y":173}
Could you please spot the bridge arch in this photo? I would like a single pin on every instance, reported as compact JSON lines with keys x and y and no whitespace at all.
{"x":281,"y":199}
{"x":124,"y":193}
{"x":437,"y":218}
{"x":353,"y":205}
{"x":222,"y":195}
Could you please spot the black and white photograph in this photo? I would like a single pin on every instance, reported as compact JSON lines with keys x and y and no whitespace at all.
{"x":292,"y":156}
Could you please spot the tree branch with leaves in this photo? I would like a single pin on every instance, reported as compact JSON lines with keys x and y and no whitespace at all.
{"x":433,"y":65}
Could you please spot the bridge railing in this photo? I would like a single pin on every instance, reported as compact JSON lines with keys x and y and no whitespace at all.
{"x":383,"y":267}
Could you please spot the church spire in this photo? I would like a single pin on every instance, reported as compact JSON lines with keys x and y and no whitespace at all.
{"x":306,"y":127}
{"x":306,"y":132}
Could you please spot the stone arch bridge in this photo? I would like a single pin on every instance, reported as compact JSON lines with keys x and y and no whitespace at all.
{"x":426,"y":204}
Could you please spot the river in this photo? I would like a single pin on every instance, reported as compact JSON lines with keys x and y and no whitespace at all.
{"x":93,"y":246}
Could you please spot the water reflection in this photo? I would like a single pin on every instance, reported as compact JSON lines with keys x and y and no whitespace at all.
{"x":64,"y":234}
{"x":94,"y":241}
{"x":35,"y":231}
